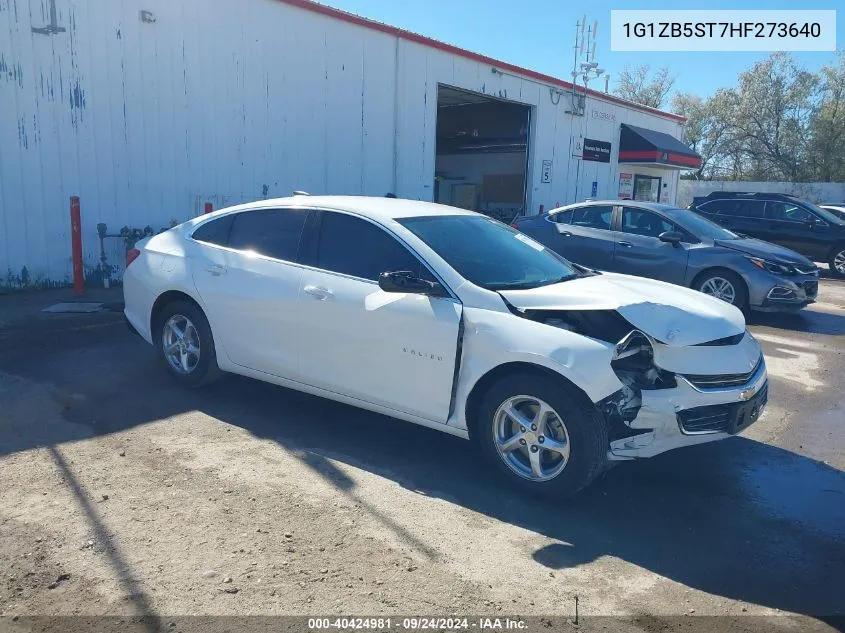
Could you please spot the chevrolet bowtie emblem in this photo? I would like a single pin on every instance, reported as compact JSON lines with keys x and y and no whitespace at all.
{"x":747,"y":394}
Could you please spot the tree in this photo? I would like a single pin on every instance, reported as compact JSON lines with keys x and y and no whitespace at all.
{"x":827,"y":127}
{"x":773,"y":117}
{"x":709,"y":130}
{"x":637,"y":85}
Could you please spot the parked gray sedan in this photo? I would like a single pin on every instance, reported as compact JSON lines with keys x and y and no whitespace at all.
{"x":678,"y":246}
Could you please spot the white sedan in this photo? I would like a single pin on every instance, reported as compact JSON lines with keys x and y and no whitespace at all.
{"x":452,"y":320}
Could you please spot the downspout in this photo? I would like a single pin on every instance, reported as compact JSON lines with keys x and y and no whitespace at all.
{"x":395,"y":188}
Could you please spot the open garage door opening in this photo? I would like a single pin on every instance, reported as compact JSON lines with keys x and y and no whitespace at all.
{"x":481,"y":153}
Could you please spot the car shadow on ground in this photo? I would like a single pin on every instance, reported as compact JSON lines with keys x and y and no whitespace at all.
{"x":739,"y":518}
{"x":807,"y":320}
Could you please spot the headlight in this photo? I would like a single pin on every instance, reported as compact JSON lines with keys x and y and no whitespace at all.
{"x":633,"y":364}
{"x":772,"y":267}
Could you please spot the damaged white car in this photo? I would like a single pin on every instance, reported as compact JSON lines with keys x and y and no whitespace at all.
{"x":448,"y":319}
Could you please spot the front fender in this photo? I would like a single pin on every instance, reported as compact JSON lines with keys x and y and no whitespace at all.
{"x":492,"y":339}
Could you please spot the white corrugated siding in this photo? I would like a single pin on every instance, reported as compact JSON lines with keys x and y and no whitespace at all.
{"x":224,"y":102}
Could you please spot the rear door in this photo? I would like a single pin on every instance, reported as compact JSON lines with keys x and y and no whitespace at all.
{"x":583,"y":235}
{"x":249,"y":285}
{"x":391,"y":349}
{"x":639,"y":251}
{"x":796,"y":227}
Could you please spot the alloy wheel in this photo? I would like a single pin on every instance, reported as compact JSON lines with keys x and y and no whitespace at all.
{"x":180,"y":342}
{"x":839,"y":262}
{"x":720,"y":288}
{"x":531,"y":438}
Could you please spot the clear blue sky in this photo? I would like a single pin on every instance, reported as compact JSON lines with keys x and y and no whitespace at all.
{"x":539,"y":34}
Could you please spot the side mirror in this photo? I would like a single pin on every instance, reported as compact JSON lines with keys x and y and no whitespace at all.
{"x":672,"y":237}
{"x":404,"y":281}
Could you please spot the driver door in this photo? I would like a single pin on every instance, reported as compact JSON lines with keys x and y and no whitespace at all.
{"x":640,"y":251}
{"x":395,"y":350}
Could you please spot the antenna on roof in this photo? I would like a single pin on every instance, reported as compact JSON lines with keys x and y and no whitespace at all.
{"x":301,"y":193}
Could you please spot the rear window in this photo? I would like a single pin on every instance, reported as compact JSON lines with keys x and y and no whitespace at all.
{"x":271,"y":232}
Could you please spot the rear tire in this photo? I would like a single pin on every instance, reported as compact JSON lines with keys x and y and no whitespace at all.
{"x":185,"y":344}
{"x":569,"y":444}
{"x":837,"y":261}
{"x":725,"y":285}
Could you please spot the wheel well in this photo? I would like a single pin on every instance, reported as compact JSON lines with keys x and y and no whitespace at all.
{"x":483,"y":383}
{"x":163,"y":300}
{"x":834,"y":249}
{"x":718,"y":269}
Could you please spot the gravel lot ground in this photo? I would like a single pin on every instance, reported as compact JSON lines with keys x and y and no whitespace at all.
{"x":122,"y":493}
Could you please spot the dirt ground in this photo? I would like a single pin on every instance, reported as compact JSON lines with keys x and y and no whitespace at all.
{"x":124,"y":494}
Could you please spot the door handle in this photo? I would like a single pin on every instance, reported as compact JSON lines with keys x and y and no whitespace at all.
{"x":319,"y":293}
{"x":625,"y":244}
{"x":216,"y":269}
{"x":566,"y":234}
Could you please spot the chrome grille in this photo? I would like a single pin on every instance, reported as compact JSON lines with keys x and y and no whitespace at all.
{"x":805,"y":270}
{"x":719,"y":381}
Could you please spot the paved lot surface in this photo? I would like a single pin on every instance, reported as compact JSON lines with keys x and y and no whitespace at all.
{"x":123,"y":493}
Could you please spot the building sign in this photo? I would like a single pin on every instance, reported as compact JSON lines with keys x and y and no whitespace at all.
{"x":595,"y":189}
{"x":626,"y":186}
{"x":546,"y":174}
{"x":604,"y":116}
{"x":598,"y":151}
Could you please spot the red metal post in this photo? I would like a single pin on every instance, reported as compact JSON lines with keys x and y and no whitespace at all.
{"x":208,"y":207}
{"x":76,"y":246}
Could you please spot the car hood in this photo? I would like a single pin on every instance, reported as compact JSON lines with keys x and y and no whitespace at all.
{"x":673,"y":315}
{"x":765,"y":250}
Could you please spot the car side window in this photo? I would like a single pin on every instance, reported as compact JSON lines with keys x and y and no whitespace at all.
{"x":750,"y":209}
{"x":645,"y":223}
{"x":356,"y":247}
{"x":271,"y":232}
{"x":562,"y":217}
{"x":215,"y":231}
{"x":788,"y":211}
{"x":592,"y":217}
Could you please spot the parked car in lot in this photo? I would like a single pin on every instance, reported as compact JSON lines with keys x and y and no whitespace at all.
{"x":791,"y":222}
{"x":837,"y":209}
{"x":678,"y":246}
{"x":452,"y":320}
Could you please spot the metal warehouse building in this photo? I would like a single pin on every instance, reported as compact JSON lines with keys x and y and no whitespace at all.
{"x":149,"y":110}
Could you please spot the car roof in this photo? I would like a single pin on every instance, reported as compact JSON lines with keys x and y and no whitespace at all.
{"x":377,"y":208}
{"x":654,"y":206}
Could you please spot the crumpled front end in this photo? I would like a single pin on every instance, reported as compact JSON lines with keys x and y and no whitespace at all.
{"x":704,"y":393}
{"x":688,"y":370}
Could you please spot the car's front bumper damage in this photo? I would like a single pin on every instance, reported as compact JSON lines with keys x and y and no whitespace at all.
{"x":686,"y":415}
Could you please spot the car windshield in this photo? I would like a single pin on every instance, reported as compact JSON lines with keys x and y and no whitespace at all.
{"x":490,"y":254}
{"x":700,"y":226}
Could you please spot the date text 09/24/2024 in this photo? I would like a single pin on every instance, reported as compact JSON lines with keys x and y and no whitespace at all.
{"x":416,"y":624}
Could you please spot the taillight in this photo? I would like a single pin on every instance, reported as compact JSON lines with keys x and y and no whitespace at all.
{"x":131,"y":256}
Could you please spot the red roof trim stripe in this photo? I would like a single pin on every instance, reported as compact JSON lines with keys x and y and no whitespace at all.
{"x":315,"y":7}
{"x":656,"y":157}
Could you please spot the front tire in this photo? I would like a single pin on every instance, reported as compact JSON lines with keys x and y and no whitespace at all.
{"x":185,"y":344}
{"x":725,"y":285}
{"x":537,"y":433}
{"x":837,"y":261}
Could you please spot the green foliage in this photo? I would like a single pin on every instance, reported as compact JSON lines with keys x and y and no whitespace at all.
{"x":781,"y":122}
